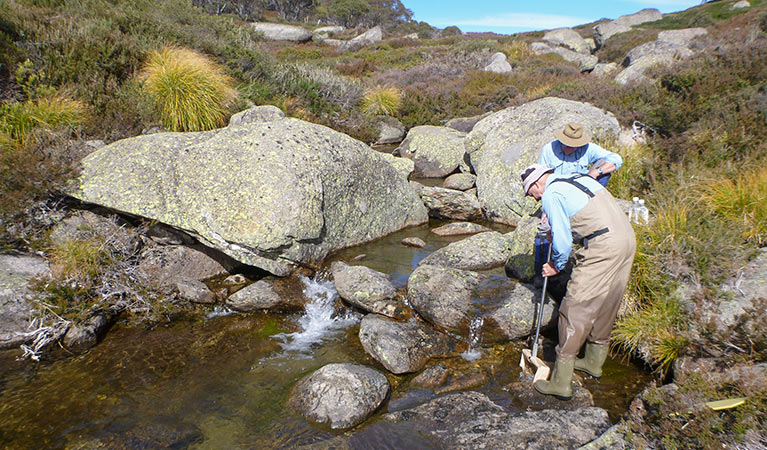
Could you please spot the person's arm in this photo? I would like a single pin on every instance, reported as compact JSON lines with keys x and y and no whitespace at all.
{"x":553,"y":206}
{"x":613,"y":161}
{"x":545,"y":158}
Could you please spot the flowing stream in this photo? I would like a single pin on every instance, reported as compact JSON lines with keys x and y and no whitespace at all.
{"x":222,"y":381}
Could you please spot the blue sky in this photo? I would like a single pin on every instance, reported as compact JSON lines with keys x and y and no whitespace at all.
{"x":510,"y":16}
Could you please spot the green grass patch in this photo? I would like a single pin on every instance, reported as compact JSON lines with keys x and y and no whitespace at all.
{"x":382,"y":101}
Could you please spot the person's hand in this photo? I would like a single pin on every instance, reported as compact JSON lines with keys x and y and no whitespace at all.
{"x":549,"y":270}
{"x":593,"y":173}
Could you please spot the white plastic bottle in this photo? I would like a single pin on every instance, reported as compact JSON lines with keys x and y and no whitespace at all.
{"x":644,"y":213}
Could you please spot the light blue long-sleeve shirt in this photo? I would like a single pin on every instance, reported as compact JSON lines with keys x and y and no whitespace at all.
{"x":578,"y":161}
{"x":560,"y":202}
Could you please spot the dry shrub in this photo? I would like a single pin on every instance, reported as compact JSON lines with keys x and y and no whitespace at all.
{"x":357,"y":68}
{"x":190,"y":92}
{"x":321,"y":89}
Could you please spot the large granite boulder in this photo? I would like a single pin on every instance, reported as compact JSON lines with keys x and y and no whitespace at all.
{"x":366,"y":289}
{"x":369,"y":37}
{"x":16,"y":309}
{"x":635,"y":73}
{"x":521,"y":260}
{"x":402,"y":347}
{"x":682,"y":37}
{"x":274,"y":195}
{"x":340,"y":395}
{"x":515,"y":317}
{"x":567,"y":37}
{"x":585,"y":62}
{"x":282,"y":32}
{"x":622,"y":24}
{"x":470,"y":420}
{"x":465,"y":124}
{"x":498,"y":64}
{"x":444,"y":296}
{"x":656,"y":48}
{"x":481,"y":251}
{"x":504,"y":143}
{"x":451,"y":204}
{"x":323,"y":33}
{"x":403,"y":165}
{"x":436,"y":151}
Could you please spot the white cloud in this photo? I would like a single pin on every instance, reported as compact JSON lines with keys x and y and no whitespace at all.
{"x":518,"y":20}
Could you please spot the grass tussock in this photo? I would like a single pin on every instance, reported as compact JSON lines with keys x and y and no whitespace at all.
{"x":382,"y":101}
{"x":190,"y":92}
{"x":19,"y":120}
{"x":742,"y":201}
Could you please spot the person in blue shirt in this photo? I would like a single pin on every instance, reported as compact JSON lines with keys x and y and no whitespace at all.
{"x":581,"y":211}
{"x":572,"y":153}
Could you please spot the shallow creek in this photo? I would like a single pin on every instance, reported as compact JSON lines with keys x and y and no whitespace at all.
{"x":222,"y":381}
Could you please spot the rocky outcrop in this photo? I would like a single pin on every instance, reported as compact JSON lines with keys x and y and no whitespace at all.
{"x":369,"y":37}
{"x":657,"y":49}
{"x":390,"y":130}
{"x":402,"y":347}
{"x":275,"y":195}
{"x":478,"y":252}
{"x":270,"y":293}
{"x":436,"y":151}
{"x":585,"y":62}
{"x":460,"y":181}
{"x":451,"y":204}
{"x":367,"y":289}
{"x":683,"y":37}
{"x":498,"y":64}
{"x":622,"y":24}
{"x":256,"y":114}
{"x":280,"y":32}
{"x":470,"y":420}
{"x":15,"y":308}
{"x":340,"y":395}
{"x":504,"y":143}
{"x":567,"y":37}
{"x":459,"y":228}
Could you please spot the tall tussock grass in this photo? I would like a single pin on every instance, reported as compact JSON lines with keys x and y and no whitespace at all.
{"x":742,"y":201}
{"x":190,"y":92}
{"x":19,"y":119}
{"x":382,"y":101}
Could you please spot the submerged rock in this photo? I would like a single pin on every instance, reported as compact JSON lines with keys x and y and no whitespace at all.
{"x":431,"y":377}
{"x":459,"y":228}
{"x":414,"y":242}
{"x":15,"y":308}
{"x":470,"y":420}
{"x":402,"y":347}
{"x":274,"y":195}
{"x":341,"y":395}
{"x":367,"y":289}
{"x":478,"y":252}
{"x":82,"y":336}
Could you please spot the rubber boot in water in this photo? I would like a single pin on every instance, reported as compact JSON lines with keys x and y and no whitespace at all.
{"x":593,"y":359}
{"x":559,"y":386}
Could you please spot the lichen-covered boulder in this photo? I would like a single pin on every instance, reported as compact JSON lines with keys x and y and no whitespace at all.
{"x":451,"y":204}
{"x":390,"y":130}
{"x":341,"y":395}
{"x":271,"y":294}
{"x":282,"y":32}
{"x":521,"y":247}
{"x":436,"y":151}
{"x":567,"y":37}
{"x":622,"y":24}
{"x":366,"y":289}
{"x":504,"y":143}
{"x":444,"y":295}
{"x":682,"y":37}
{"x":515,"y":316}
{"x":402,"y":347}
{"x":459,"y":228}
{"x":274,"y":195}
{"x":635,"y":73}
{"x":460,"y":181}
{"x":263,"y":113}
{"x":465,"y":124}
{"x":481,"y":251}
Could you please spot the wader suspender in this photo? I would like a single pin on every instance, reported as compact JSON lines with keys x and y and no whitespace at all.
{"x":585,"y":240}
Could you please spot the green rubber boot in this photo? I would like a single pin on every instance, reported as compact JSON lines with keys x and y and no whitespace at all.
{"x":559,"y":386}
{"x":592,"y":361}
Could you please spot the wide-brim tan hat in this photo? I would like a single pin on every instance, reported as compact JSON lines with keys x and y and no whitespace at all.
{"x":531,"y":174}
{"x":573,"y":135}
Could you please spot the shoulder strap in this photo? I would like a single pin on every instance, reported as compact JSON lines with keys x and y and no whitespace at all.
{"x":572,"y":181}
